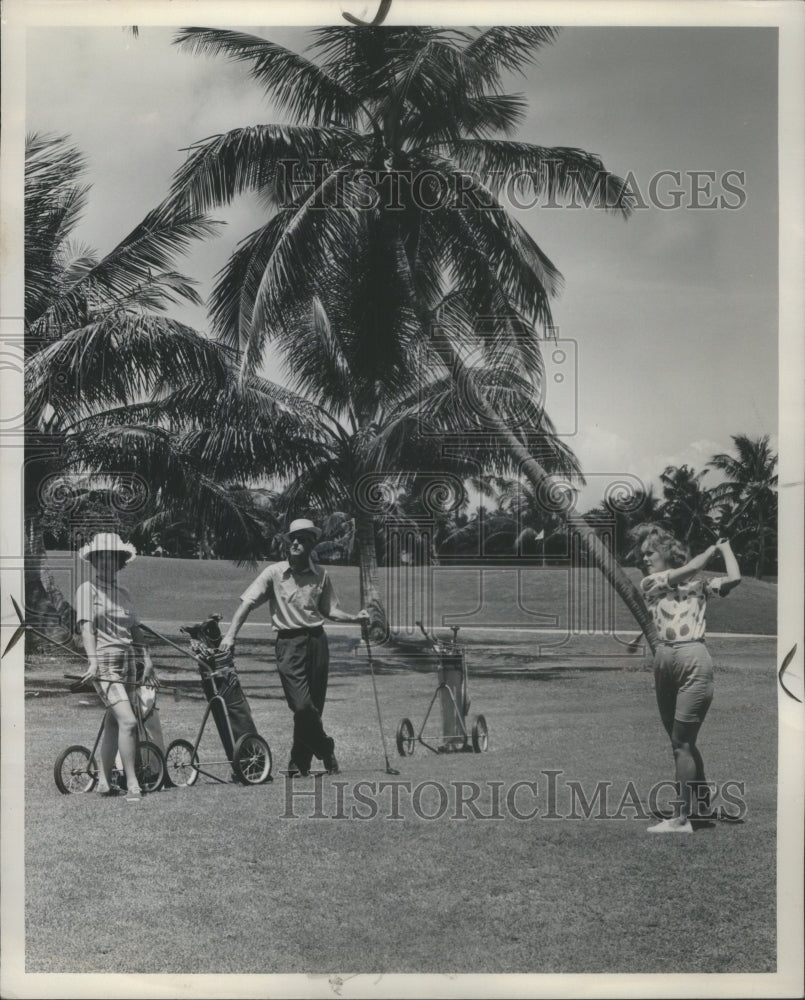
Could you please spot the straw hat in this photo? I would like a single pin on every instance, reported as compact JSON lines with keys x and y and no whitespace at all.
{"x":302,"y":524}
{"x":108,"y":541}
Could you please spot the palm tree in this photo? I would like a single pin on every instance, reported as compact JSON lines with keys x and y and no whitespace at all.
{"x":751,"y":490}
{"x":98,"y":344}
{"x":620,"y":513}
{"x":688,"y":506}
{"x":386,"y":202}
{"x":518,"y":522}
{"x":372,"y":452}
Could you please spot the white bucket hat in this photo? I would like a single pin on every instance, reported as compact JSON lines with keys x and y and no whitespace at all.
{"x":108,"y":541}
{"x":302,"y":524}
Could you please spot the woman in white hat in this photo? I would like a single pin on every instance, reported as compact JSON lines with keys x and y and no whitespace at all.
{"x":109,"y":626}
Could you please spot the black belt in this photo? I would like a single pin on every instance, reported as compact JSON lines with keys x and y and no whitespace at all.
{"x":294,"y":633}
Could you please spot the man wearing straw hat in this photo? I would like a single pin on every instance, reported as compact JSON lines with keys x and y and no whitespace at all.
{"x":300,"y":595}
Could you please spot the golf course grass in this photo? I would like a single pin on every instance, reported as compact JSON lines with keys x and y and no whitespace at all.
{"x":185,"y":590}
{"x":221,"y":878}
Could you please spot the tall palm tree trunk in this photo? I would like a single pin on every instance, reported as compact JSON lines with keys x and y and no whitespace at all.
{"x":761,"y":554}
{"x":46,"y":607}
{"x":369,"y":575}
{"x":540,"y":479}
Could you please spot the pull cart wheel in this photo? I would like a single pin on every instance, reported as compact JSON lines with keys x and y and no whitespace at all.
{"x":181,"y":765}
{"x":75,"y":771}
{"x":251,"y":760}
{"x":405,"y":738}
{"x":480,"y":735}
{"x":150,"y":766}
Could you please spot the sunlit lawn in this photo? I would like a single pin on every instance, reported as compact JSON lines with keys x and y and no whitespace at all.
{"x":215,"y":879}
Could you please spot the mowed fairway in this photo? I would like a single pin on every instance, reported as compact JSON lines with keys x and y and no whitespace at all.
{"x":219,"y":878}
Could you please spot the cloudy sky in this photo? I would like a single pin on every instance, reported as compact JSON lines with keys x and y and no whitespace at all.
{"x":673,"y":314}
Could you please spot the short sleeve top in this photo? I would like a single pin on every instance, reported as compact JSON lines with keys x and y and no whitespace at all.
{"x":679,"y":610}
{"x":296,"y":599}
{"x":111,"y":610}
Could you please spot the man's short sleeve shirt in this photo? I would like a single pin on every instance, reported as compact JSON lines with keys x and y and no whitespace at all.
{"x":296,"y":599}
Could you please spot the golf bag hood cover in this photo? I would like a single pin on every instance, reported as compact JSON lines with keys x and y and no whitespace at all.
{"x":207,"y":631}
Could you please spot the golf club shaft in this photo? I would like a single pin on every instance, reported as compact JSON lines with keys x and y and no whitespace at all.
{"x":53,"y":642}
{"x":153,"y":632}
{"x":377,"y":700}
{"x":78,"y":677}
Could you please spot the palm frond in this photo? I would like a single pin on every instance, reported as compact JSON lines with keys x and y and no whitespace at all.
{"x":274,"y":160}
{"x":311,"y":238}
{"x":480,"y":115}
{"x":150,"y":247}
{"x":137,"y":262}
{"x":556,"y":173}
{"x":238,"y":282}
{"x":115,"y":359}
{"x":509,"y":49}
{"x":178,"y":483}
{"x":297,"y":85}
{"x":491,"y":259}
{"x":364,"y":60}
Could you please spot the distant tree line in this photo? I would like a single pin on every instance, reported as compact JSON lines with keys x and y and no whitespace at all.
{"x":510,"y":522}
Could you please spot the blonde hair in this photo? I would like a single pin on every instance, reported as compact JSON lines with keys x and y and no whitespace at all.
{"x":674,"y":552}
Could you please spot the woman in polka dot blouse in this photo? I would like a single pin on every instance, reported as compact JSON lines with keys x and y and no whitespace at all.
{"x":683,"y":670}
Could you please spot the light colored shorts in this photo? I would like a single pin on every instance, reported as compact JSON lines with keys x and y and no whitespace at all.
{"x":118,"y":672}
{"x":683,"y":681}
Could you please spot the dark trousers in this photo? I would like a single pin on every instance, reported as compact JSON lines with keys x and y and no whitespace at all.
{"x":303,"y":659}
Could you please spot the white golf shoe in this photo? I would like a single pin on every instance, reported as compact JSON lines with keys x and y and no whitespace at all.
{"x":678,"y":824}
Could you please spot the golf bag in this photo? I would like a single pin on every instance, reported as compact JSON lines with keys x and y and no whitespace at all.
{"x":219,"y":677}
{"x":453,"y":672}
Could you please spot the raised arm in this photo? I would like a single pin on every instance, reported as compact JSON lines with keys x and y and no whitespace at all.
{"x":682,"y":573}
{"x":733,"y":577}
{"x":685,"y":572}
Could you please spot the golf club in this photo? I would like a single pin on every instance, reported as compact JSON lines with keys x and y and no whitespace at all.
{"x":365,"y":634}
{"x":79,"y":679}
{"x":184,"y":652}
{"x":23,"y":627}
